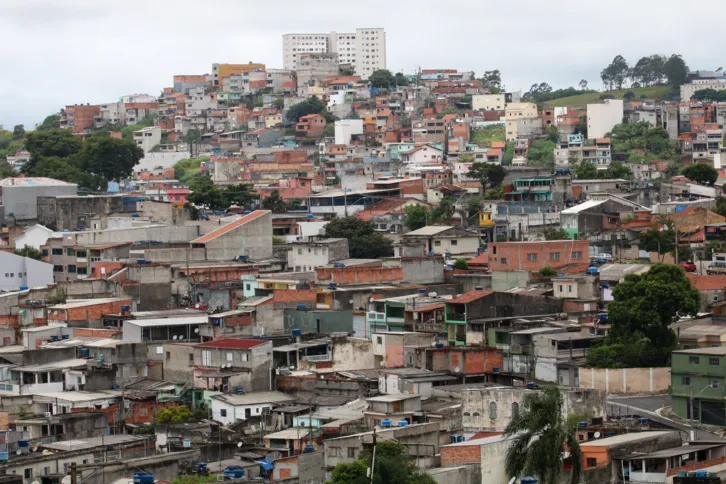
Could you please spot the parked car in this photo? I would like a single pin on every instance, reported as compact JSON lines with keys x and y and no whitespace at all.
{"x":716,"y":267}
{"x":688,"y":266}
{"x":605,"y":256}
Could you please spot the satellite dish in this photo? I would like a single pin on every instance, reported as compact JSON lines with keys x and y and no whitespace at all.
{"x":383,"y":363}
{"x":173,"y":337}
{"x":35,"y":482}
{"x":66,"y":480}
{"x":597,"y":435}
{"x":19,"y":452}
{"x":30,"y":401}
{"x":196,"y":330}
{"x":239,"y":444}
{"x":457,"y":369}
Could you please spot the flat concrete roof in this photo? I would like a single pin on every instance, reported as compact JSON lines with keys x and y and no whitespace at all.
{"x":625,"y":438}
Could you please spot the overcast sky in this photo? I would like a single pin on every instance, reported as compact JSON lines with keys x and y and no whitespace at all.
{"x":93,"y":51}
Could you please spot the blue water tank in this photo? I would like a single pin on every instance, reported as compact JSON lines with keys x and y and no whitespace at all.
{"x":301,"y":307}
{"x":528,"y":480}
{"x":83,"y":353}
{"x":101,"y":357}
{"x":54,"y":337}
{"x":311,"y":216}
{"x":402,"y":423}
{"x":65,"y":336}
{"x":701,"y":474}
{"x":421,"y":291}
{"x":449,"y":268}
{"x":481,"y":250}
{"x":23,"y":443}
{"x":581,"y":425}
{"x":23,"y":288}
{"x":143,"y":478}
{"x":308,"y":449}
{"x":115,"y":386}
{"x":386,"y":422}
{"x":643,"y":421}
{"x":296,"y":332}
{"x":125,"y":307}
{"x":232,"y":472}
{"x":496,"y":369}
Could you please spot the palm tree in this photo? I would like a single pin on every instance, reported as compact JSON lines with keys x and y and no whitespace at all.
{"x":540,"y":436}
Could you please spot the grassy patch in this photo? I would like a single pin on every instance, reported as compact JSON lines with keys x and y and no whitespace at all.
{"x":188,"y":168}
{"x":658,"y":93}
{"x":484,"y":137}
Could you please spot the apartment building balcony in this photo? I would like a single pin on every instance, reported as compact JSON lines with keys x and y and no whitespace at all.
{"x":456,"y":317}
{"x":520,"y":349}
{"x":316,"y":358}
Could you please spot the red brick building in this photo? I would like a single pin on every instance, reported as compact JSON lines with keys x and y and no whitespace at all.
{"x":533,"y":256}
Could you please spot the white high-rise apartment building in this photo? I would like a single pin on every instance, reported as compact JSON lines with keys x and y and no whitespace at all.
{"x":364,"y":50}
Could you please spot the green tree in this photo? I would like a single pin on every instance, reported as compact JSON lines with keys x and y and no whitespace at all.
{"x":240,"y":195}
{"x":645,"y":306}
{"x":274,"y":203}
{"x":19,"y":131}
{"x":547,"y":271}
{"x":294,"y":204}
{"x":508,"y":154}
{"x":416,"y":217}
{"x":461,"y":265}
{"x":444,"y":212}
{"x":309,"y":106}
{"x":382,"y":78}
{"x":618,"y":170}
{"x":701,"y":173}
{"x":279,"y":102}
{"x":553,"y":134}
{"x":50,"y":122}
{"x":29,"y":251}
{"x":629,"y":95}
{"x":329,"y":131}
{"x":616,"y":73}
{"x":363,"y":241}
{"x":493,"y":81}
{"x":676,"y":70}
{"x":551,"y":233}
{"x":175,"y":414}
{"x":542,"y":154}
{"x":585,"y":171}
{"x":110,"y":158}
{"x":660,"y":241}
{"x":6,"y":171}
{"x":205,"y":193}
{"x":392,"y":465}
{"x":60,"y":143}
{"x":488,"y":174}
{"x":720,"y":206}
{"x":496,"y":193}
{"x":539,"y":435}
{"x":400,"y":80}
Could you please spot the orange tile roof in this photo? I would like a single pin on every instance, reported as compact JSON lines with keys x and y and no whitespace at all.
{"x":229,"y":227}
{"x":470,"y":296}
{"x":602,"y":140}
{"x":430,"y":307}
{"x":499,"y":144}
{"x":494,"y":152}
{"x":707,"y":283}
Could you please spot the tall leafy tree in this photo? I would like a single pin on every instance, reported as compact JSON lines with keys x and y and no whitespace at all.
{"x":274,"y":203}
{"x":240,"y":195}
{"x":493,"y":81}
{"x":18,"y":131}
{"x":416,"y":216}
{"x":382,"y":78}
{"x":539,"y":436}
{"x":444,"y":212}
{"x":204,"y":192}
{"x":488,"y":174}
{"x":309,"y":106}
{"x":646,"y":305}
{"x":109,"y":157}
{"x":676,"y":70}
{"x":701,"y":173}
{"x":51,"y":121}
{"x":59,"y":143}
{"x":363,"y":241}
{"x":615,"y":74}
{"x":656,"y":240}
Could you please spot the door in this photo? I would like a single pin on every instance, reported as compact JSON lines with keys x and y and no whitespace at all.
{"x":248,"y":413}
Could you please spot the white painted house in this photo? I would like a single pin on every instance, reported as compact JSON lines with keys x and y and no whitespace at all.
{"x":17,"y":271}
{"x":230,"y":408}
{"x":34,"y":236}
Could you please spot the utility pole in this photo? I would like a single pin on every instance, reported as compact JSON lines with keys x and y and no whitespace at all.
{"x":373,"y":458}
{"x":690,"y":390}
{"x":74,"y":473}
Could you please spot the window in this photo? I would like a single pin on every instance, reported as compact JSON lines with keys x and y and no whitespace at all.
{"x":713,"y":361}
{"x":685,"y":380}
{"x":206,"y":358}
{"x":437,"y":243}
{"x":70,"y":251}
{"x":28,"y":473}
{"x":244,"y":356}
{"x":492,"y":410}
{"x":504,"y":261}
{"x":191,"y":358}
{"x":56,"y":251}
{"x":223,"y":412}
{"x":82,"y":270}
{"x":454,"y":243}
{"x":144,"y":412}
{"x":71,"y":269}
{"x":531,"y":256}
{"x":352,"y":452}
{"x":714,"y":383}
{"x":334,"y":451}
{"x":515,"y":410}
{"x":591,"y":462}
{"x":554,"y":256}
{"x":230,"y":356}
{"x":561,"y":288}
{"x":577,"y":255}
{"x":57,"y":268}
{"x":379,"y":340}
{"x":168,"y":355}
{"x":694,"y":360}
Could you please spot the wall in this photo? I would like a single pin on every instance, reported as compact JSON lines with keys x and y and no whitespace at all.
{"x":253,"y":238}
{"x":319,"y":321}
{"x":512,"y":256}
{"x":72,"y":213}
{"x":423,"y":270}
{"x":160,"y":233}
{"x":626,"y":380}
{"x":22,"y":200}
{"x":460,"y":475}
{"x":503,"y":280}
{"x":476,"y":406}
{"x":34,"y":273}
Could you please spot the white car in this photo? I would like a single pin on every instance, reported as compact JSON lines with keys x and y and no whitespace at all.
{"x":604,"y":256}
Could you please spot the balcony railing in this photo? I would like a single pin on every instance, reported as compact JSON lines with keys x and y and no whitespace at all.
{"x":316,"y":358}
{"x":456,"y":317}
